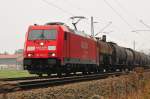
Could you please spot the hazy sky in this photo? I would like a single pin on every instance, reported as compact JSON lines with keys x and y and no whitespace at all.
{"x":17,"y":15}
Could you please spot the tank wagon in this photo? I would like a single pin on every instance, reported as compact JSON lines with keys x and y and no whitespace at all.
{"x":55,"y":48}
{"x":129,"y":56}
{"x":104,"y":54}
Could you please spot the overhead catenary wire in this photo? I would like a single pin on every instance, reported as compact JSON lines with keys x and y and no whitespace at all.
{"x":141,"y":21}
{"x":147,"y":26}
{"x":77,"y":7}
{"x":57,"y":7}
{"x":83,"y":10}
{"x":125,"y":10}
{"x":104,"y":28}
{"x":117,"y":13}
{"x":63,"y":10}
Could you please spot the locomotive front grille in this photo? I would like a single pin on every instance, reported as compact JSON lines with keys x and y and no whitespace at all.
{"x":39,"y":63}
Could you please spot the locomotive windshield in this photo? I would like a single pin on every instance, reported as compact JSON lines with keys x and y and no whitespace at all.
{"x":42,"y":34}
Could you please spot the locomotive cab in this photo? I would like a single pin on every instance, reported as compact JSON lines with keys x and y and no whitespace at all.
{"x":42,"y":48}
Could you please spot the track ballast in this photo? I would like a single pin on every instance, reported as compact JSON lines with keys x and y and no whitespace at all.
{"x":27,"y":84}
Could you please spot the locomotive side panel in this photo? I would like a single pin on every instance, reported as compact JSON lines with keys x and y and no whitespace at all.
{"x":81,"y":50}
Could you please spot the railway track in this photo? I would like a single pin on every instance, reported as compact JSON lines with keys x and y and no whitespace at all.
{"x":25,"y":78}
{"x":19,"y":78}
{"x":34,"y":77}
{"x":26,"y":84}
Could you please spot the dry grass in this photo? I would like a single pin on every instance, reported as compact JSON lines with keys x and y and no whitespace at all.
{"x":132,"y":86}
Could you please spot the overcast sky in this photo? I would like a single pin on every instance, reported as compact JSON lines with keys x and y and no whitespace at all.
{"x":17,"y":15}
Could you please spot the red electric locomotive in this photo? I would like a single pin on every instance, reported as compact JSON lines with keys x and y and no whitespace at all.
{"x":55,"y":48}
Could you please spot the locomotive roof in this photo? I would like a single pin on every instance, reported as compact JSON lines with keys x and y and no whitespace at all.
{"x":68,"y":29}
{"x":55,"y":23}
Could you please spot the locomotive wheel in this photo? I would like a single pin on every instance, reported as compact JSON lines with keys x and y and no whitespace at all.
{"x":59,"y":74}
{"x":89,"y":72}
{"x":84,"y":73}
{"x":59,"y":71}
{"x":49,"y":74}
{"x":40,"y":75}
{"x":85,"y":70}
{"x":68,"y":71}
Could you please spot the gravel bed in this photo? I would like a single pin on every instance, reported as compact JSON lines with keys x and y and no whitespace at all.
{"x":111,"y":88}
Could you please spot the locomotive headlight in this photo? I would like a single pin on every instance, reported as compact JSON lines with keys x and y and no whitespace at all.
{"x":53,"y":54}
{"x":51,"y":47}
{"x":41,"y":43}
{"x":29,"y":55}
{"x":30,"y":48}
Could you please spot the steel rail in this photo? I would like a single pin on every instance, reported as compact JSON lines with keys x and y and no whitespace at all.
{"x":60,"y":81}
{"x":32,"y":84}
